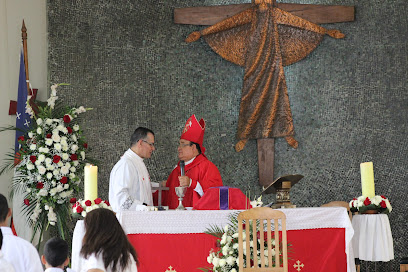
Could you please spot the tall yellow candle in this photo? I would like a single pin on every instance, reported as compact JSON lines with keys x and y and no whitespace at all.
{"x":91,"y":182}
{"x":367,"y":179}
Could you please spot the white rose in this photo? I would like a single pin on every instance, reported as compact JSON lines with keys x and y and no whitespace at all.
{"x":64,"y":170}
{"x":48,"y":161}
{"x":233,"y":270}
{"x":72,"y":169}
{"x":76,"y":163}
{"x":376,"y":200}
{"x":76,"y":127}
{"x":60,"y":128}
{"x":65,"y":148}
{"x":74,"y":138}
{"x":57,"y":147}
{"x":30,"y":134}
{"x":216,"y":262}
{"x":83,"y":155}
{"x":51,"y":167}
{"x":209,"y":259}
{"x":41,"y":158}
{"x":222,"y":262}
{"x":43,"y":192}
{"x":65,"y":156}
{"x":56,"y":138}
{"x":33,"y":147}
{"x":37,"y":162}
{"x":60,"y":164}
{"x":71,"y":175}
{"x":74,"y":147}
{"x":39,"y":130}
{"x":48,"y":142}
{"x":48,"y":121}
{"x":41,"y":169}
{"x":49,"y":175}
{"x":231,"y":260}
{"x":66,"y":186}
{"x":30,"y":166}
{"x":39,"y":121}
{"x":83,"y":214}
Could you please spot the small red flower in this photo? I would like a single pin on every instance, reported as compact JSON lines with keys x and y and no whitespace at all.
{"x":383,"y":204}
{"x":64,"y":180}
{"x":74,"y":157}
{"x":40,"y":185}
{"x":21,"y":139}
{"x":88,"y":203}
{"x":66,"y":118}
{"x":33,"y":159}
{"x":56,"y":159}
{"x":27,"y":202}
{"x":73,"y":200}
{"x":98,"y":201}
{"x":383,"y":197}
{"x":354,"y":198}
{"x":85,"y":145}
{"x":69,"y":130}
{"x":107,"y":202}
{"x":79,"y":209}
{"x":48,"y":136}
{"x":367,"y":201}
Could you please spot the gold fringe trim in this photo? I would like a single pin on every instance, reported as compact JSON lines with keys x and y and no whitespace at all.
{"x":291,"y":141}
{"x":240,"y":145}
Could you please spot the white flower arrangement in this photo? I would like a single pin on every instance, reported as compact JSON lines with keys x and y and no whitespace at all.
{"x":49,"y":165}
{"x":225,"y":257}
{"x":377,"y":203}
{"x":82,"y":207}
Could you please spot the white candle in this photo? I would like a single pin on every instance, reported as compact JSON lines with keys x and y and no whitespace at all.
{"x":91,"y":182}
{"x":367,"y":179}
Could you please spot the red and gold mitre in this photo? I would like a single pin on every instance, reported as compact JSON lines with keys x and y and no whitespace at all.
{"x":194,"y":131}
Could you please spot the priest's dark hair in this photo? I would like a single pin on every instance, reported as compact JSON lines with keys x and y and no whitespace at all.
{"x":1,"y":239}
{"x":197,"y":146}
{"x":139,"y":134}
{"x":104,"y":235}
{"x":4,"y":208}
{"x":56,"y":251}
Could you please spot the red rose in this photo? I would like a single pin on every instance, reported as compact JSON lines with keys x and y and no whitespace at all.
{"x":72,"y":200}
{"x":64,"y":180}
{"x":27,"y":202}
{"x":20,"y":139}
{"x":354,"y":198}
{"x":48,"y":136}
{"x":383,"y":204}
{"x":88,"y":203}
{"x":107,"y":202}
{"x":367,"y":201}
{"x":56,"y":159}
{"x":85,"y":145}
{"x":79,"y":209}
{"x":98,"y":201}
{"x":66,"y":118}
{"x":74,"y":157}
{"x":383,"y":197}
{"x":69,"y":130}
{"x":33,"y":159}
{"x":40,"y":185}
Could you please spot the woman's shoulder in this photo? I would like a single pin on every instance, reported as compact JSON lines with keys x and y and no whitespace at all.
{"x":93,"y":262}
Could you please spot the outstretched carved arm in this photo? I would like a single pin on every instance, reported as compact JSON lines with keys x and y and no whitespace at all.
{"x":286,"y":18}
{"x":241,"y":18}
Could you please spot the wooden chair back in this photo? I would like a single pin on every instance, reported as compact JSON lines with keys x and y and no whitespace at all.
{"x":256,"y":223}
{"x":339,"y":204}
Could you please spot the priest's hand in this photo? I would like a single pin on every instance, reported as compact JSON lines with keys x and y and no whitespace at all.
{"x":184,"y":181}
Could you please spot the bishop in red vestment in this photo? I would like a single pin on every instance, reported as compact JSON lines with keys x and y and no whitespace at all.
{"x":199,"y":173}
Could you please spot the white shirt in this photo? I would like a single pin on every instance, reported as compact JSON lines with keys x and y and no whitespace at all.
{"x":96,"y":262}
{"x":54,"y":269}
{"x":129,"y":183}
{"x":5,"y":266}
{"x":20,"y":253}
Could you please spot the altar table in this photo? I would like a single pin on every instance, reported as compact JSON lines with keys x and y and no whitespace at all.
{"x":319,"y":239}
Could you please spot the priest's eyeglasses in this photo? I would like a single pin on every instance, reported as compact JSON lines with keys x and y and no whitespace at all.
{"x":151,"y":144}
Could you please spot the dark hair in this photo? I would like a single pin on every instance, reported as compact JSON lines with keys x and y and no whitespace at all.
{"x":1,"y":238}
{"x":104,"y":235}
{"x":4,"y":208}
{"x":56,"y":251}
{"x":197,"y":146}
{"x":139,"y":134}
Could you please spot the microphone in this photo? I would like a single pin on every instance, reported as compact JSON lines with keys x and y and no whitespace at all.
{"x":181,"y":168}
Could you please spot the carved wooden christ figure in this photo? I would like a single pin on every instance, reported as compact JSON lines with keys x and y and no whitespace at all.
{"x":264,"y":39}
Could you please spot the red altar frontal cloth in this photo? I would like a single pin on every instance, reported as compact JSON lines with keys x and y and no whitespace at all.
{"x":223,"y":198}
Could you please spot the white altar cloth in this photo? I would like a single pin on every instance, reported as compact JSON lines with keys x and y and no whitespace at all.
{"x":373,"y":239}
{"x":139,"y":222}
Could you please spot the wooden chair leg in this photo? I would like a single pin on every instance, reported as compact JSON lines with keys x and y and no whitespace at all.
{"x":403,"y":267}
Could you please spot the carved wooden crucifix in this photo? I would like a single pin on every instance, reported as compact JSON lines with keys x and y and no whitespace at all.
{"x":264,"y":36}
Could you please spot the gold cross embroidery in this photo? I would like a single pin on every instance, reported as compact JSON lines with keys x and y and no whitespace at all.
{"x":298,"y":266}
{"x":171,"y":269}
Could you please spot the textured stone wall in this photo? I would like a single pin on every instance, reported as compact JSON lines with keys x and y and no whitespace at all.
{"x":128,"y":61}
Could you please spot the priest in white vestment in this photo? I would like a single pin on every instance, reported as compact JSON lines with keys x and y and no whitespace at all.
{"x":129,"y":184}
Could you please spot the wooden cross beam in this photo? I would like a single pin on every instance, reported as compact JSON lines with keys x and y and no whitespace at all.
{"x":318,"y":14}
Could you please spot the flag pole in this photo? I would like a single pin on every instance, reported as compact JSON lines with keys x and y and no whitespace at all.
{"x":24,"y":37}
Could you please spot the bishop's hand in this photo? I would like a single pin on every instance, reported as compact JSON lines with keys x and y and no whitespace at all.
{"x":184,"y":181}
{"x":193,"y":37}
